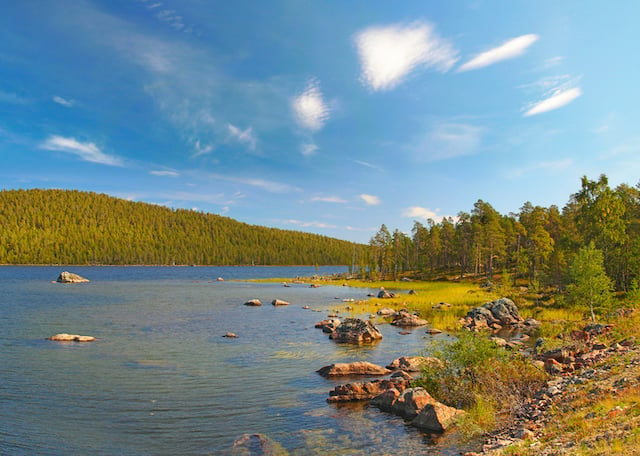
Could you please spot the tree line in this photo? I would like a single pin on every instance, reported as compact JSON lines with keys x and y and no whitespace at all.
{"x":536,"y":245}
{"x":74,"y":227}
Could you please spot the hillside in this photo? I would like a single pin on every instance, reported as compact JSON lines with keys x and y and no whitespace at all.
{"x":73,"y":227}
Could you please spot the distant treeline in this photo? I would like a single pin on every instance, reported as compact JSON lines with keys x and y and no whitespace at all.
{"x":537,"y":243}
{"x":73,"y":227}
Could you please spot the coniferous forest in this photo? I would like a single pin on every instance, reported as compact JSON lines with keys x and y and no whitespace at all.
{"x":73,"y":227}
{"x":535,"y":246}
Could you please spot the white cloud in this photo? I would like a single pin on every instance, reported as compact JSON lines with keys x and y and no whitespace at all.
{"x":201,"y":149}
{"x":328,"y":199}
{"x":270,"y":186}
{"x":445,"y":140}
{"x":165,"y":173}
{"x":308,"y":149}
{"x":310,"y":109}
{"x":371,"y":200}
{"x":87,"y":151}
{"x":510,"y":49}
{"x":245,"y":137}
{"x":388,"y":54}
{"x":62,"y":101}
{"x":559,"y":99}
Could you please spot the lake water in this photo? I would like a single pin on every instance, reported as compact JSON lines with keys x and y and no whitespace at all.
{"x":161,"y":379}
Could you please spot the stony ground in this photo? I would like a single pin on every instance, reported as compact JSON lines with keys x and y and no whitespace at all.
{"x":592,"y":411}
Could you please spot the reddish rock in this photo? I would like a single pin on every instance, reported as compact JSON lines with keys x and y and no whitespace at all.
{"x":347,"y":369}
{"x":436,"y":417}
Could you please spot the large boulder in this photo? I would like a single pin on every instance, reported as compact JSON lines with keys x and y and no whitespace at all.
{"x":70,"y":277}
{"x":356,"y":331}
{"x":64,"y":337}
{"x":349,"y":369}
{"x":501,"y":312}
{"x":364,"y":391}
{"x":410,"y":402}
{"x":436,"y":417}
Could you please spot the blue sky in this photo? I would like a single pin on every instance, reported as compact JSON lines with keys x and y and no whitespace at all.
{"x":330,"y":117}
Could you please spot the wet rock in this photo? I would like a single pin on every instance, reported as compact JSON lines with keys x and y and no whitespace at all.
{"x":409,"y":321}
{"x":436,"y":417}
{"x":412,"y":363}
{"x":364,"y":391}
{"x":357,"y":331}
{"x":411,"y":402}
{"x":386,"y":399}
{"x":70,"y":277}
{"x":433,"y":331}
{"x":64,"y":337}
{"x":349,"y":369}
{"x":329,"y":325}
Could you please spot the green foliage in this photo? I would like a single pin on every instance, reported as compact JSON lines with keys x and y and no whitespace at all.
{"x":590,"y":283}
{"x":72,"y":227}
{"x":476,"y":374}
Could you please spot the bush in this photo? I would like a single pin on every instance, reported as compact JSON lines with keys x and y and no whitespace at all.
{"x":478,"y":376}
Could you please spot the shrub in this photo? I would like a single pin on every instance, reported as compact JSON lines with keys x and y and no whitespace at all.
{"x":477,"y":375}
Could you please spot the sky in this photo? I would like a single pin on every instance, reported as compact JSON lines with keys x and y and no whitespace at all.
{"x":329,"y":117}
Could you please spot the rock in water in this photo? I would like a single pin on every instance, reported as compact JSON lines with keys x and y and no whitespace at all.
{"x":279,"y":302}
{"x":348,"y":369}
{"x":253,"y":303}
{"x":64,"y":337}
{"x":356,"y":331}
{"x":69,"y":277}
{"x":436,"y":417}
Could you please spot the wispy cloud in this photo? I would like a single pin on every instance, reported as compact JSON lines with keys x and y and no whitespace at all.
{"x":510,"y":49}
{"x":87,"y":151}
{"x":371,"y":200}
{"x":61,"y":101}
{"x":448,"y":139}
{"x":328,"y":199}
{"x":245,"y":137}
{"x":366,"y":164}
{"x":308,"y":149}
{"x":309,"y":108}
{"x":167,"y":173}
{"x":314,"y":224}
{"x":388,"y":54}
{"x":12,"y":98}
{"x":547,"y":166}
{"x":201,"y":149}
{"x":559,"y":99}
{"x":270,"y":186}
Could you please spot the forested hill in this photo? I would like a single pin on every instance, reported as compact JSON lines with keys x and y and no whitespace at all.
{"x":73,"y":227}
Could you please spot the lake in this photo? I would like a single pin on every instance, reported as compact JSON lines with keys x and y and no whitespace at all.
{"x":161,"y":379}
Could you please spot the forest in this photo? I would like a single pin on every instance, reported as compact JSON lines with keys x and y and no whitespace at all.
{"x":536,"y":246}
{"x":85,"y":228}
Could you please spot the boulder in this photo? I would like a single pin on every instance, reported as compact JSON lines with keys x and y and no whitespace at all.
{"x":329,"y":325}
{"x":64,"y":337}
{"x":410,"y":321}
{"x":230,"y":335}
{"x":411,"y":402}
{"x":412,"y":363}
{"x":436,"y":417}
{"x":364,"y":391}
{"x":385,"y":400}
{"x":256,"y":445}
{"x":355,"y":330}
{"x":386,"y":312}
{"x":349,"y":369}
{"x":498,"y":313}
{"x":384,"y":294}
{"x":279,"y":302}
{"x":69,"y":277}
{"x":253,"y":303}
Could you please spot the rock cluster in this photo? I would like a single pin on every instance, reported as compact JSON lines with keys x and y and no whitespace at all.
{"x":495,"y":315}
{"x":329,"y":325}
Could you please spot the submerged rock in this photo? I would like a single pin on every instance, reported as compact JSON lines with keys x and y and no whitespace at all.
{"x":64,"y":337}
{"x":356,"y":331}
{"x":348,"y":369}
{"x":70,"y":277}
{"x":257,"y":445}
